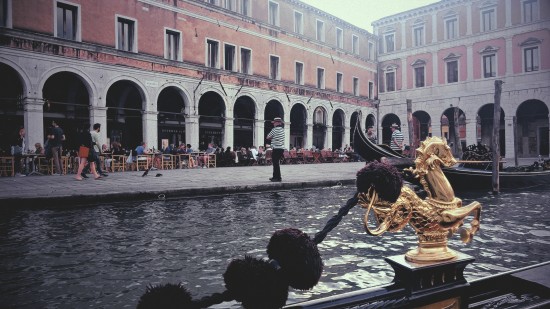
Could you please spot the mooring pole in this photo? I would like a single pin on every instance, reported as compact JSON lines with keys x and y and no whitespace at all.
{"x":411,"y":126}
{"x":496,"y":137}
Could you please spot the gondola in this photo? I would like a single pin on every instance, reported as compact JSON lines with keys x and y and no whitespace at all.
{"x":459,"y":177}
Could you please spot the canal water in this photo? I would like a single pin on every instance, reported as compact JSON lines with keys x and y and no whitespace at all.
{"x":104,"y":256}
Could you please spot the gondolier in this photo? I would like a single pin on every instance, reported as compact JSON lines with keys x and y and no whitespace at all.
{"x":397,"y":138}
{"x":277,"y":138}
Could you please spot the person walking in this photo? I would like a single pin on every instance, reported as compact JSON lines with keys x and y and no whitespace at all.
{"x":17,"y":151}
{"x":277,"y":139}
{"x":96,"y":151}
{"x":56,"y":137}
{"x":85,"y":153}
{"x":397,"y":138}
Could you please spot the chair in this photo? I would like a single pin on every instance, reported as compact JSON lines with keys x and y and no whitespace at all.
{"x":118,"y":163}
{"x":7,"y":166}
{"x":168,"y":162}
{"x":308,"y":156}
{"x":211,"y":160}
{"x":45,"y":165}
{"x":326,"y":156}
{"x":142,"y":162}
{"x":287,"y":159}
{"x":336,"y":157}
{"x":294,"y":157}
{"x":268,"y":157}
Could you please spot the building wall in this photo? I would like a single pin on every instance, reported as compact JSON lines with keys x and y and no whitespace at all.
{"x":30,"y":48}
{"x":507,"y":40}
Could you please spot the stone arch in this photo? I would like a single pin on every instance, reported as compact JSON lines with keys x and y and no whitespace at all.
{"x":21,"y":75}
{"x":212,"y":110}
{"x":387,"y":121}
{"x":12,"y":93}
{"x":453,"y":128}
{"x":338,"y":128}
{"x":273,"y":108}
{"x":484,"y":127}
{"x":244,"y":118}
{"x":422,"y":127}
{"x":298,"y":125}
{"x":172,"y":107}
{"x":84,"y":78}
{"x":532,"y":132}
{"x":320,"y":118}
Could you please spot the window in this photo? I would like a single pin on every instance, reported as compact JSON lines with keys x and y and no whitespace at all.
{"x":390,"y":81}
{"x":212,"y":50}
{"x":214,"y":2}
{"x":339,"y":85}
{"x":320,"y":31}
{"x":126,"y":34}
{"x":355,"y":44}
{"x":371,"y":89}
{"x":273,"y":13}
{"x":172,"y":45}
{"x":418,"y":33}
{"x":531,"y":59}
{"x":245,"y":8}
{"x":339,"y":38}
{"x":530,"y":10}
{"x":230,"y":58}
{"x":452,"y":71}
{"x":390,"y":42}
{"x":451,"y":27}
{"x":419,"y":77}
{"x":299,"y":73}
{"x":246,"y":61}
{"x":488,"y":20}
{"x":66,"y":22}
{"x":320,"y":78}
{"x":274,"y":67}
{"x":489,"y":66}
{"x":230,"y":5}
{"x":298,"y":22}
{"x":371,"y":51}
{"x":4,"y":13}
{"x":355,"y":86}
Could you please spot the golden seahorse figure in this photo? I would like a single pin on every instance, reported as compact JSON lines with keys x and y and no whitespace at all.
{"x":434,"y":218}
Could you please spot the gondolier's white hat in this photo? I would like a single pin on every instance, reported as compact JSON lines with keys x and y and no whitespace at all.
{"x":277,"y":119}
{"x":395,"y":125}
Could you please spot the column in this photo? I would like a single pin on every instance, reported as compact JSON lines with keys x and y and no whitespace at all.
{"x":434,"y":28}
{"x":403,"y":36}
{"x":99,"y":115}
{"x":404,"y":68}
{"x":150,"y":129}
{"x":192,"y":131}
{"x":509,"y":57}
{"x":347,"y":136}
{"x":509,"y":139}
{"x":469,"y":62}
{"x":471,"y":131}
{"x":259,"y":132}
{"x":436,"y":128}
{"x":469,"y":19}
{"x":309,"y":137}
{"x":228,"y":132}
{"x":287,"y":133}
{"x":435,"y":75}
{"x":329,"y":138}
{"x":33,"y":120}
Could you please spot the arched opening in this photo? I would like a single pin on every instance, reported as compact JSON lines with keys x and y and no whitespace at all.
{"x":532,"y":129}
{"x":453,"y":128}
{"x":298,"y":125}
{"x":11,"y":107}
{"x":244,"y":113}
{"x":171,"y":117}
{"x":124,"y":114}
{"x":66,"y":100}
{"x":212,"y":120}
{"x":319,"y":127}
{"x":387,"y":121}
{"x":370,"y":121}
{"x":484,"y":127}
{"x":338,"y":129}
{"x":422,"y":128}
{"x":273,"y":109}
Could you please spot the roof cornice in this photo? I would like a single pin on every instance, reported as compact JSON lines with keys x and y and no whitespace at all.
{"x":424,"y":10}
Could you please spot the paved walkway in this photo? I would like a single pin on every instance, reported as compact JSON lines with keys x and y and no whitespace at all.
{"x":65,"y":190}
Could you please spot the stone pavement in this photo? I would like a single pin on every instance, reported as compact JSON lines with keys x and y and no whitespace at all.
{"x":38,"y":191}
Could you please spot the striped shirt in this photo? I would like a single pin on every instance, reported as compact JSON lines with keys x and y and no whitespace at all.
{"x":277,"y":138}
{"x":397,"y":136}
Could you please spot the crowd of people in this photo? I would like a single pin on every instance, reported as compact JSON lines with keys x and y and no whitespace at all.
{"x":96,"y":158}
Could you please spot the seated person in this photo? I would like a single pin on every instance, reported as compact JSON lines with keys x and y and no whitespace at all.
{"x":204,"y":159}
{"x":107,"y":156}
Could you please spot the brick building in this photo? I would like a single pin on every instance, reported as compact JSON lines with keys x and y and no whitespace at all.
{"x":445,"y":58}
{"x":184,"y":71}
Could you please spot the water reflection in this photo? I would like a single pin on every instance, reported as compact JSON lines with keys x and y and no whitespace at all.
{"x":104,"y":256}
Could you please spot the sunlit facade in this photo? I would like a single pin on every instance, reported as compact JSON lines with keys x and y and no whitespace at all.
{"x":445,"y":58}
{"x":185,"y":71}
